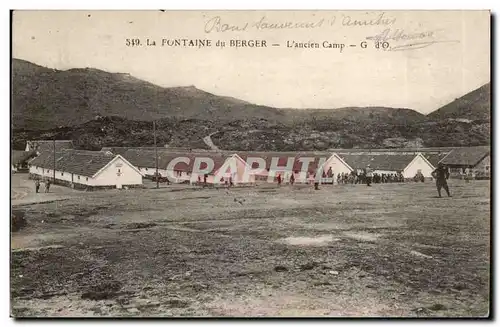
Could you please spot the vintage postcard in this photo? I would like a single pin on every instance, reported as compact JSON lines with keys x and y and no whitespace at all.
{"x":250,"y":164}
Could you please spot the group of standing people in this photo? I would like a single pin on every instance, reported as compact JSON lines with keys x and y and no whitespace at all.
{"x":47,"y":185}
{"x":441,"y":175}
{"x":347,"y":178}
{"x":368,"y":177}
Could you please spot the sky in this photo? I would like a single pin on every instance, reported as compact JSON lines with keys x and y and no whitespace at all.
{"x":434,"y":57}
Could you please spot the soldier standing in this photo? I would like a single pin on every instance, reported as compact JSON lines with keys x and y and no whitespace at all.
{"x":368,"y":175}
{"x":441,"y":174}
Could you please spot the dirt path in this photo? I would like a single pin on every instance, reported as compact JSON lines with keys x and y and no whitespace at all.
{"x":23,"y":191}
{"x":208,"y":141}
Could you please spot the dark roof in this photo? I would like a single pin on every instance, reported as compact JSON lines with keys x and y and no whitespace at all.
{"x":122,"y":149}
{"x":469,"y":156}
{"x":19,"y":157}
{"x":48,"y":145}
{"x":433,"y":155}
{"x":409,"y":150}
{"x":89,"y":152}
{"x":434,"y":158}
{"x":268,"y":157}
{"x":145,"y":158}
{"x":378,"y":161}
{"x":313,"y":166}
{"x":85,"y":163}
{"x":190,"y":149}
{"x":283,"y":158}
{"x":385,"y":159}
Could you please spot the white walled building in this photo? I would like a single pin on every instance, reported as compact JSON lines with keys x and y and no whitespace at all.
{"x":144,"y":159}
{"x":232,"y":167}
{"x":469,"y":160}
{"x":418,"y":164}
{"x":20,"y":159}
{"x":337,"y":166}
{"x":408,"y":164}
{"x":86,"y":169}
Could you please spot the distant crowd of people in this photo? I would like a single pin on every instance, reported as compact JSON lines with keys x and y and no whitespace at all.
{"x":362,"y":178}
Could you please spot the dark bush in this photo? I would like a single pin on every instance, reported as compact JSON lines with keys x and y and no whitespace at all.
{"x":17,"y":220}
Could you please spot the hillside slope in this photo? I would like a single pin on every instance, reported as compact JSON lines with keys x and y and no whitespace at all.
{"x":44,"y":98}
{"x":261,"y":135}
{"x":475,"y":105}
{"x":96,"y":109}
{"x":47,"y":98}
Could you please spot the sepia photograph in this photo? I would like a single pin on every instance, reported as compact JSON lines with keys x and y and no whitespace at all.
{"x":250,"y":163}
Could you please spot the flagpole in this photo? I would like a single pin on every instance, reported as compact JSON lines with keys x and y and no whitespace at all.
{"x":54,"y":143}
{"x":156,"y":156}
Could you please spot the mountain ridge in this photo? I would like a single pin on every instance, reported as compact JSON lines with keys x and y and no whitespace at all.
{"x":70,"y":97}
{"x":96,"y":108}
{"x":474,"y":105}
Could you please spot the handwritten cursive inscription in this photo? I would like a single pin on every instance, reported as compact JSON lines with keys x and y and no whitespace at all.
{"x":400,"y":35}
{"x":380,"y":19}
{"x":410,"y":41}
{"x":263,"y":23}
{"x":215,"y":24}
{"x":418,"y":45}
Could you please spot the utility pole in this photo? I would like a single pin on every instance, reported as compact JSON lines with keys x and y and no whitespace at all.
{"x":54,"y":159}
{"x":156,"y":156}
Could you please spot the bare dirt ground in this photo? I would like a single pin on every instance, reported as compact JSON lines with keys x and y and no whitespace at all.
{"x":382,"y":251}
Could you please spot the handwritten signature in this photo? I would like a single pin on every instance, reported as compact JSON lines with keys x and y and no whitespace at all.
{"x":419,"y":45}
{"x":421,"y":39}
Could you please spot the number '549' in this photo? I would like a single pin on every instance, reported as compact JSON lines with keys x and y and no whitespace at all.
{"x":132,"y":42}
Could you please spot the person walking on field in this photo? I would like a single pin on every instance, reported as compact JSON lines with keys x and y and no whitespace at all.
{"x":279,"y":180}
{"x":37,"y":186}
{"x":292,"y":179}
{"x":369,"y":175}
{"x":441,"y":174}
{"x":47,"y":186}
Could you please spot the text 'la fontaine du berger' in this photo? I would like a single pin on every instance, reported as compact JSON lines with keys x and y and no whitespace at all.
{"x":233,"y":43}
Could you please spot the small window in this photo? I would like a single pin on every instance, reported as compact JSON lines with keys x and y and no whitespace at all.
{"x":78,"y":177}
{"x":487,"y":168}
{"x":87,"y":179}
{"x":119,"y":170}
{"x":62,"y":174}
{"x":146,"y":169}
